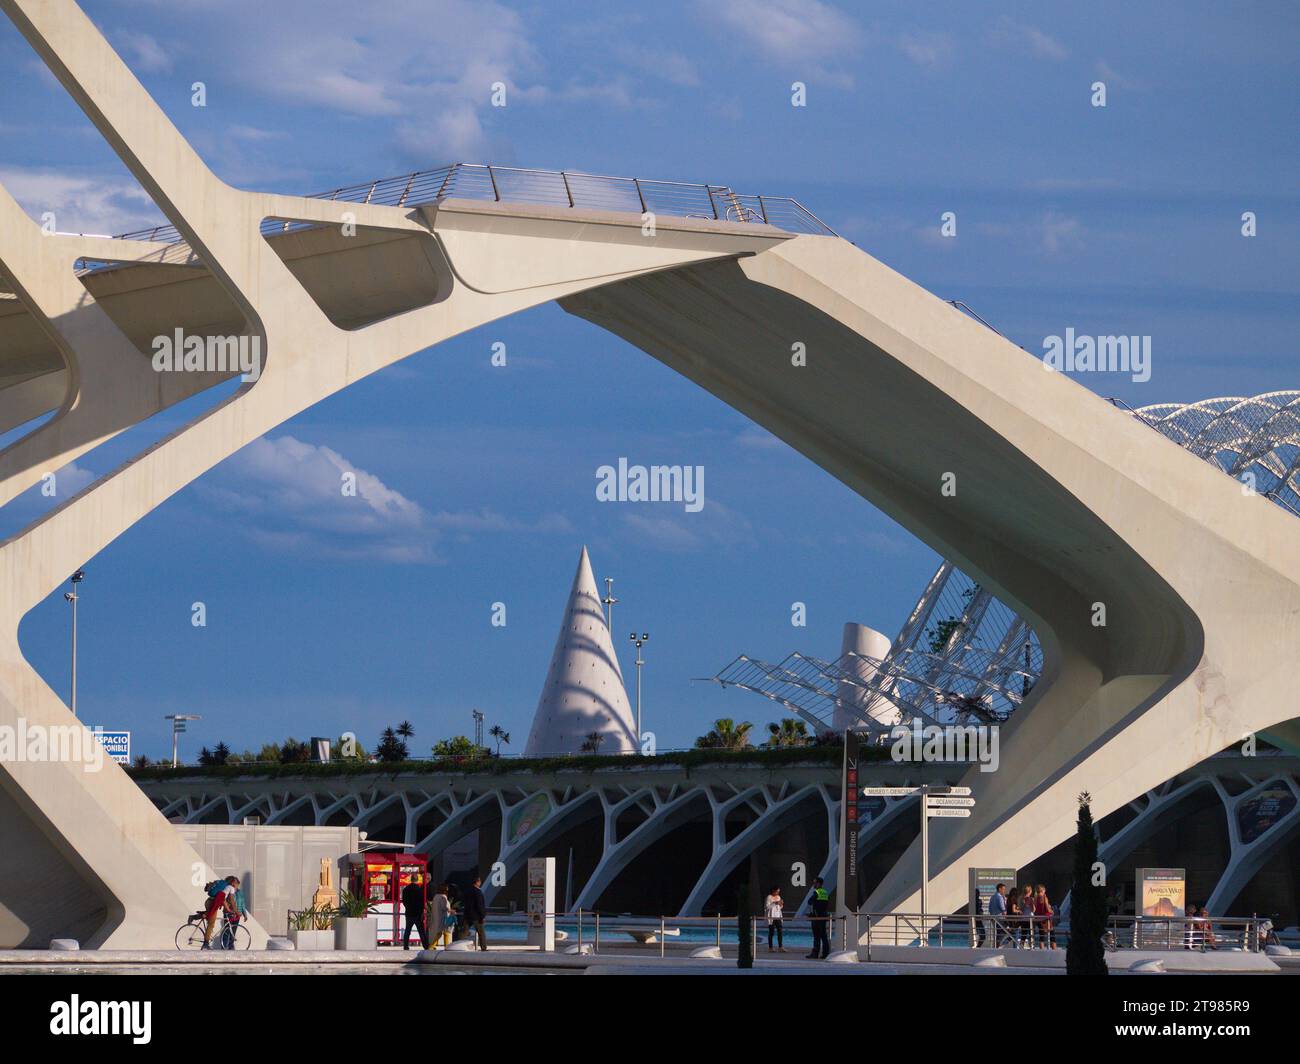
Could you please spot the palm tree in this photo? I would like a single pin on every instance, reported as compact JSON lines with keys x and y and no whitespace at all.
{"x":789,"y":732}
{"x":500,"y":735}
{"x":726,"y":735}
{"x":406,"y":729}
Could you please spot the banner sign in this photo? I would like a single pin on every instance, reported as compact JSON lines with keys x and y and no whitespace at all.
{"x":117,"y":744}
{"x":983,"y":883}
{"x":847,"y":899}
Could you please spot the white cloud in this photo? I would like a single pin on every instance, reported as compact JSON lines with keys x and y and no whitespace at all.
{"x":1022,"y":37}
{"x":1111,"y":76}
{"x":64,"y":483}
{"x":926,"y":49}
{"x":81,"y":203}
{"x":453,"y":135}
{"x":253,"y":134}
{"x":429,"y":63}
{"x":715,"y":526}
{"x":1060,"y":232}
{"x":1052,"y":232}
{"x":789,"y":30}
{"x":290,"y":494}
{"x":142,"y":52}
{"x":672,"y":67}
{"x":486,"y":520}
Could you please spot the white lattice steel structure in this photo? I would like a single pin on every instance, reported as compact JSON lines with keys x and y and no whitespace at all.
{"x":1255,"y":440}
{"x":1062,"y":502}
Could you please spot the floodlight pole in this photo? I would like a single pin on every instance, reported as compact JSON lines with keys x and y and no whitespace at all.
{"x":639,"y":642}
{"x":71,"y":596}
{"x":609,"y":601}
{"x":178,"y":726}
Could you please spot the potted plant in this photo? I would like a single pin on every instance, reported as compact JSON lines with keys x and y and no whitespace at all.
{"x":354,"y":927}
{"x":309,"y":929}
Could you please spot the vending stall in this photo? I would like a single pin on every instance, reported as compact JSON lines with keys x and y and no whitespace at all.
{"x":380,"y":877}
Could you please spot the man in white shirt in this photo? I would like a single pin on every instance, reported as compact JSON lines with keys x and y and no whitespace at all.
{"x":773,"y":910}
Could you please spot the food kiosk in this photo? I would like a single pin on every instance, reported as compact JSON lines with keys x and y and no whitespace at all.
{"x":380,"y":877}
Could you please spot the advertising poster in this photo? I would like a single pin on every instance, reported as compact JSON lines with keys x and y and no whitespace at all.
{"x":1258,"y":814}
{"x":1161,"y":904}
{"x":541,"y":902}
{"x":116,"y":744}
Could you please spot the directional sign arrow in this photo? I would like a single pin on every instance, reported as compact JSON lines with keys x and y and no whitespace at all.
{"x":950,"y":790}
{"x":888,"y":792}
{"x":931,"y":811}
{"x":958,"y":803}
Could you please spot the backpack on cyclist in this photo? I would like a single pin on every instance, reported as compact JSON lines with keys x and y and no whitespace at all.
{"x":215,"y":887}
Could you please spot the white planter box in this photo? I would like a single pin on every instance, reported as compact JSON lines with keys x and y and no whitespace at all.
{"x":353,"y":933}
{"x":313,"y":940}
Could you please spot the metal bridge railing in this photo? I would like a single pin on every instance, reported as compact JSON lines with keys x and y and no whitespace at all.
{"x":554,"y":188}
{"x":1033,"y":932}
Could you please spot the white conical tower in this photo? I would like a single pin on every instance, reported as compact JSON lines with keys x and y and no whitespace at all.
{"x":584,"y":690}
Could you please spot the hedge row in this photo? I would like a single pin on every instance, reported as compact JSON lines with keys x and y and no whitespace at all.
{"x":498,"y":766}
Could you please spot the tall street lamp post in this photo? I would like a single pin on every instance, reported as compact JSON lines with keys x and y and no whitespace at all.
{"x":178,"y":725}
{"x":71,"y":596}
{"x":639,"y":641}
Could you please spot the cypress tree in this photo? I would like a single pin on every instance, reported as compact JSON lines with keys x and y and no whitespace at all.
{"x":1085,"y":954}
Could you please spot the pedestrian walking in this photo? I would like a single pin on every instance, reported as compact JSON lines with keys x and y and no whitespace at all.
{"x":775,"y":913}
{"x":476,"y":911}
{"x":413,"y":909}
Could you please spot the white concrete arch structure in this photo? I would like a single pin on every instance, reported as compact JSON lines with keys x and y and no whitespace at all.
{"x":1063,"y":504}
{"x":129,"y":877}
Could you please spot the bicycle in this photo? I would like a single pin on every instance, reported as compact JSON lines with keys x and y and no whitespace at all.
{"x":232,"y":935}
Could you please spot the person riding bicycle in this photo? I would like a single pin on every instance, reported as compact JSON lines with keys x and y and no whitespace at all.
{"x":221,"y":898}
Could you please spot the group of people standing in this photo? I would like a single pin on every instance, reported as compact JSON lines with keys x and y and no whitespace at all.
{"x":819,"y":916}
{"x":1023,"y":919}
{"x":441,"y":916}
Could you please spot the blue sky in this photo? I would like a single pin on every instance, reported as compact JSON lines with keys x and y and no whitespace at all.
{"x":1117,"y":220}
